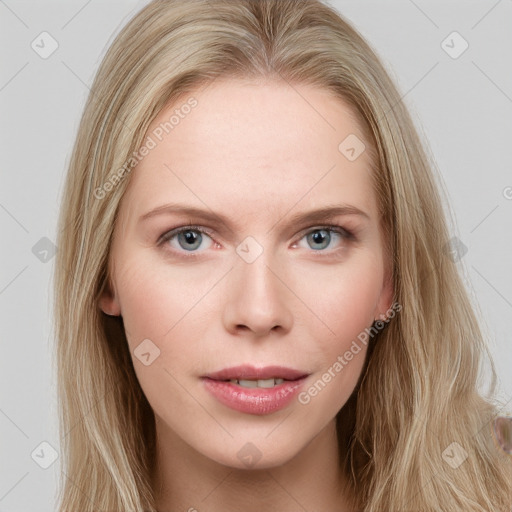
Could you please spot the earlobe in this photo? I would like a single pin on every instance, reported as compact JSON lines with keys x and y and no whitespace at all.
{"x":109,"y":304}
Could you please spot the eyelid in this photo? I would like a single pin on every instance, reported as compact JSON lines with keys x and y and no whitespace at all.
{"x":175,"y":231}
{"x":347,"y":233}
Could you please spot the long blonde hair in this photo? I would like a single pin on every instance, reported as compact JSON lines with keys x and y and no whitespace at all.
{"x":419,"y":391}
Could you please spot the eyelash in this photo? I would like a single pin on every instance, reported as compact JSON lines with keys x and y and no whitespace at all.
{"x":168,"y":235}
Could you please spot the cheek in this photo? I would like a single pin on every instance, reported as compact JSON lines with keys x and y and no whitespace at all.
{"x":155,"y":306}
{"x":142,"y":303}
{"x":346,"y":304}
{"x":155,"y":299}
{"x":345,"y":297}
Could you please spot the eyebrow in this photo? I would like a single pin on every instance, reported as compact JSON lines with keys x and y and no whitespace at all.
{"x":324,"y":214}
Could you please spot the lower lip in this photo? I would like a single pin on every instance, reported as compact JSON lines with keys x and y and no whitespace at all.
{"x":254,"y":400}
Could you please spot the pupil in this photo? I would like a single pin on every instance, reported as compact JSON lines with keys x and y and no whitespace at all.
{"x":191,"y":238}
{"x":319,"y":237}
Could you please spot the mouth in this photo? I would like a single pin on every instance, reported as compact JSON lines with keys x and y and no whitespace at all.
{"x":255,"y":390}
{"x":251,"y":377}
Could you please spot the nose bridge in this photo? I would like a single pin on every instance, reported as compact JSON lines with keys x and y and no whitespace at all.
{"x":257,"y":277}
{"x":257,"y":299}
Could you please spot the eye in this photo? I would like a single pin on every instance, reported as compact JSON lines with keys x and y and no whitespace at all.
{"x":187,"y":238}
{"x":320,"y":238}
{"x":195,"y":239}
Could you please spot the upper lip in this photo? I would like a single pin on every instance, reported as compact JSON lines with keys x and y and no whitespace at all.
{"x":248,"y":372}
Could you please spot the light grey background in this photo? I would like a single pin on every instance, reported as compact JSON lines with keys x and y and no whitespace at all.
{"x":463,"y":105}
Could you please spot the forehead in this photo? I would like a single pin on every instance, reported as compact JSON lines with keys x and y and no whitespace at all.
{"x":253,"y":148}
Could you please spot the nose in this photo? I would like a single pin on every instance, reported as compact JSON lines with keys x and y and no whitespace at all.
{"x":257,"y":298}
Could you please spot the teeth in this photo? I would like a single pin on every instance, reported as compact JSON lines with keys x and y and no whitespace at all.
{"x":261,"y":383}
{"x":248,"y":383}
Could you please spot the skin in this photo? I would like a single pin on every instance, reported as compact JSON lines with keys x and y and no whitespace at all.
{"x":258,"y":153}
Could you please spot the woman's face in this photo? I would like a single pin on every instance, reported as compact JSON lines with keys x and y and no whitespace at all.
{"x":269,"y":283}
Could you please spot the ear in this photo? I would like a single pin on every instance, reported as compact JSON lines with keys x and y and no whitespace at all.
{"x":108,"y":302}
{"x":386,"y":298}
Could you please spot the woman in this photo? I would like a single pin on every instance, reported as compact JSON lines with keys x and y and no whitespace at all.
{"x":255,"y":303}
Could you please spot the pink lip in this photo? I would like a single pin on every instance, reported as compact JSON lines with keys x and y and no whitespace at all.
{"x":250,"y":372}
{"x":257,"y":401}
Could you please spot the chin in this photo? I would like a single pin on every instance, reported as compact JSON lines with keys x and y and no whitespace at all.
{"x":244,"y":454}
